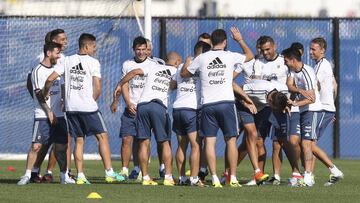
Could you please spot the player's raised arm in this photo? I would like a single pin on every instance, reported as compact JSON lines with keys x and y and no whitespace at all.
{"x":185,"y":73}
{"x":236,"y":35}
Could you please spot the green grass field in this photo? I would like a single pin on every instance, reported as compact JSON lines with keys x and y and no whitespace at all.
{"x":347,"y":190}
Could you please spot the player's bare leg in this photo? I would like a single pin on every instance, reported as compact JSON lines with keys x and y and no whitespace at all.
{"x":260,"y":145}
{"x":167,"y":159}
{"x":104,"y":149}
{"x":232,"y":156}
{"x":78,"y":154}
{"x":181,"y":156}
{"x":194,"y":154}
{"x":126,"y":150}
{"x":276,"y":162}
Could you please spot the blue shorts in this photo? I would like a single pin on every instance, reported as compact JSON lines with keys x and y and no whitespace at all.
{"x":128,"y":124}
{"x":294,"y":124}
{"x":261,"y":119}
{"x":309,"y":121}
{"x":44,"y":133}
{"x":86,"y":123}
{"x":185,"y":121}
{"x":279,"y":125}
{"x":221,"y":115}
{"x":326,"y":118}
{"x":153,"y":116}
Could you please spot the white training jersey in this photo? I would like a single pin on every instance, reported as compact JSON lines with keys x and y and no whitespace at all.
{"x":137,"y":84}
{"x":79,"y":71}
{"x":258,"y":90}
{"x":245,"y":68}
{"x":158,"y":60}
{"x":325,"y":76}
{"x":39,"y":76}
{"x":306,"y":79}
{"x":294,"y":109}
{"x":157,"y":83}
{"x":216,"y":68}
{"x":188,"y":91}
{"x":271,"y":70}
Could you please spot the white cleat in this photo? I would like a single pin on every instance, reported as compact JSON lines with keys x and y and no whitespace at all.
{"x":24,"y":180}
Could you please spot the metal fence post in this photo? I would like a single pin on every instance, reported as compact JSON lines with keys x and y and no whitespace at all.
{"x":336,"y":57}
{"x":163,"y":44}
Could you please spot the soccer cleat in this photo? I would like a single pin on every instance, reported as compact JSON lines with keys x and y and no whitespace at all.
{"x":169,"y":182}
{"x":184,"y":182}
{"x":125,"y":174}
{"x":139,"y":178}
{"x":202,"y":175}
{"x":251,"y":183}
{"x":188,"y":173}
{"x":133,"y":175}
{"x":67,"y":180}
{"x":334,"y":179}
{"x":162,"y":173}
{"x":47,"y":178}
{"x":149,"y":182}
{"x":24,"y":180}
{"x":234,"y":184}
{"x":115,"y":177}
{"x":198,"y":184}
{"x":273,"y":181}
{"x":308,"y":179}
{"x":71,"y":175}
{"x":260,"y":178}
{"x":217,"y":185}
{"x":82,"y":181}
{"x":296,"y":182}
{"x":35,"y":178}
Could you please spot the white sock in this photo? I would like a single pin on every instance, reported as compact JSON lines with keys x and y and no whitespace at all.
{"x":162,"y":167}
{"x":147,"y":177}
{"x":109,"y":172}
{"x":233,"y":178}
{"x":168,"y":176}
{"x":203,"y":169}
{"x":334,"y":169}
{"x":28,"y":173}
{"x":35,"y":170}
{"x":276,"y":176}
{"x":48,"y":172}
{"x":81,"y":175}
{"x":215,"y":179}
{"x":257,"y":170}
{"x":194,"y":180}
{"x":137,"y":169}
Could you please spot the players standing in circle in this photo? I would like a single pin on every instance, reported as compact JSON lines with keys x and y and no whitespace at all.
{"x":49,"y":124}
{"x":82,"y":88}
{"x":216,"y":69}
{"x":152,"y":114}
{"x":186,"y":110}
{"x":310,"y":111}
{"x":131,"y":93}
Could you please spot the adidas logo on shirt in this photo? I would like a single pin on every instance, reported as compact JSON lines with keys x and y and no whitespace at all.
{"x":78,"y":69}
{"x":216,"y":63}
{"x":165,"y":73}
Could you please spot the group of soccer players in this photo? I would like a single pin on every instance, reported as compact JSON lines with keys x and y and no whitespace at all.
{"x":281,"y":98}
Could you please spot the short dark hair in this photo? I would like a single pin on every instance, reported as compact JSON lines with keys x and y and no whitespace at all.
{"x":279,"y":101}
{"x":47,"y":37}
{"x":298,"y":46}
{"x":204,"y":35}
{"x":84,"y":38}
{"x":50,"y":46}
{"x":139,"y":41}
{"x":218,"y":36}
{"x":201,"y":47}
{"x":264,"y":39}
{"x":55,"y":33}
{"x":320,"y":41}
{"x":291,"y":53}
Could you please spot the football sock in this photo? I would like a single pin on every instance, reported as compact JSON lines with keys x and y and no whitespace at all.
{"x":28,"y":173}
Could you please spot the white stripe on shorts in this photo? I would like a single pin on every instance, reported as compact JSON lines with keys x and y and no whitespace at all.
{"x":237,"y":119}
{"x":314,"y":126}
{"x":102,"y":121}
{"x":36,"y":126}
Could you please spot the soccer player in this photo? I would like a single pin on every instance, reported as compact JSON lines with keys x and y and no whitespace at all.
{"x":328,"y":91}
{"x":57,"y":36}
{"x":186,"y":110}
{"x":82,"y":88}
{"x":152,"y":114}
{"x":131,"y":94}
{"x":49,"y":123}
{"x":216,"y":69}
{"x":305,"y":78}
